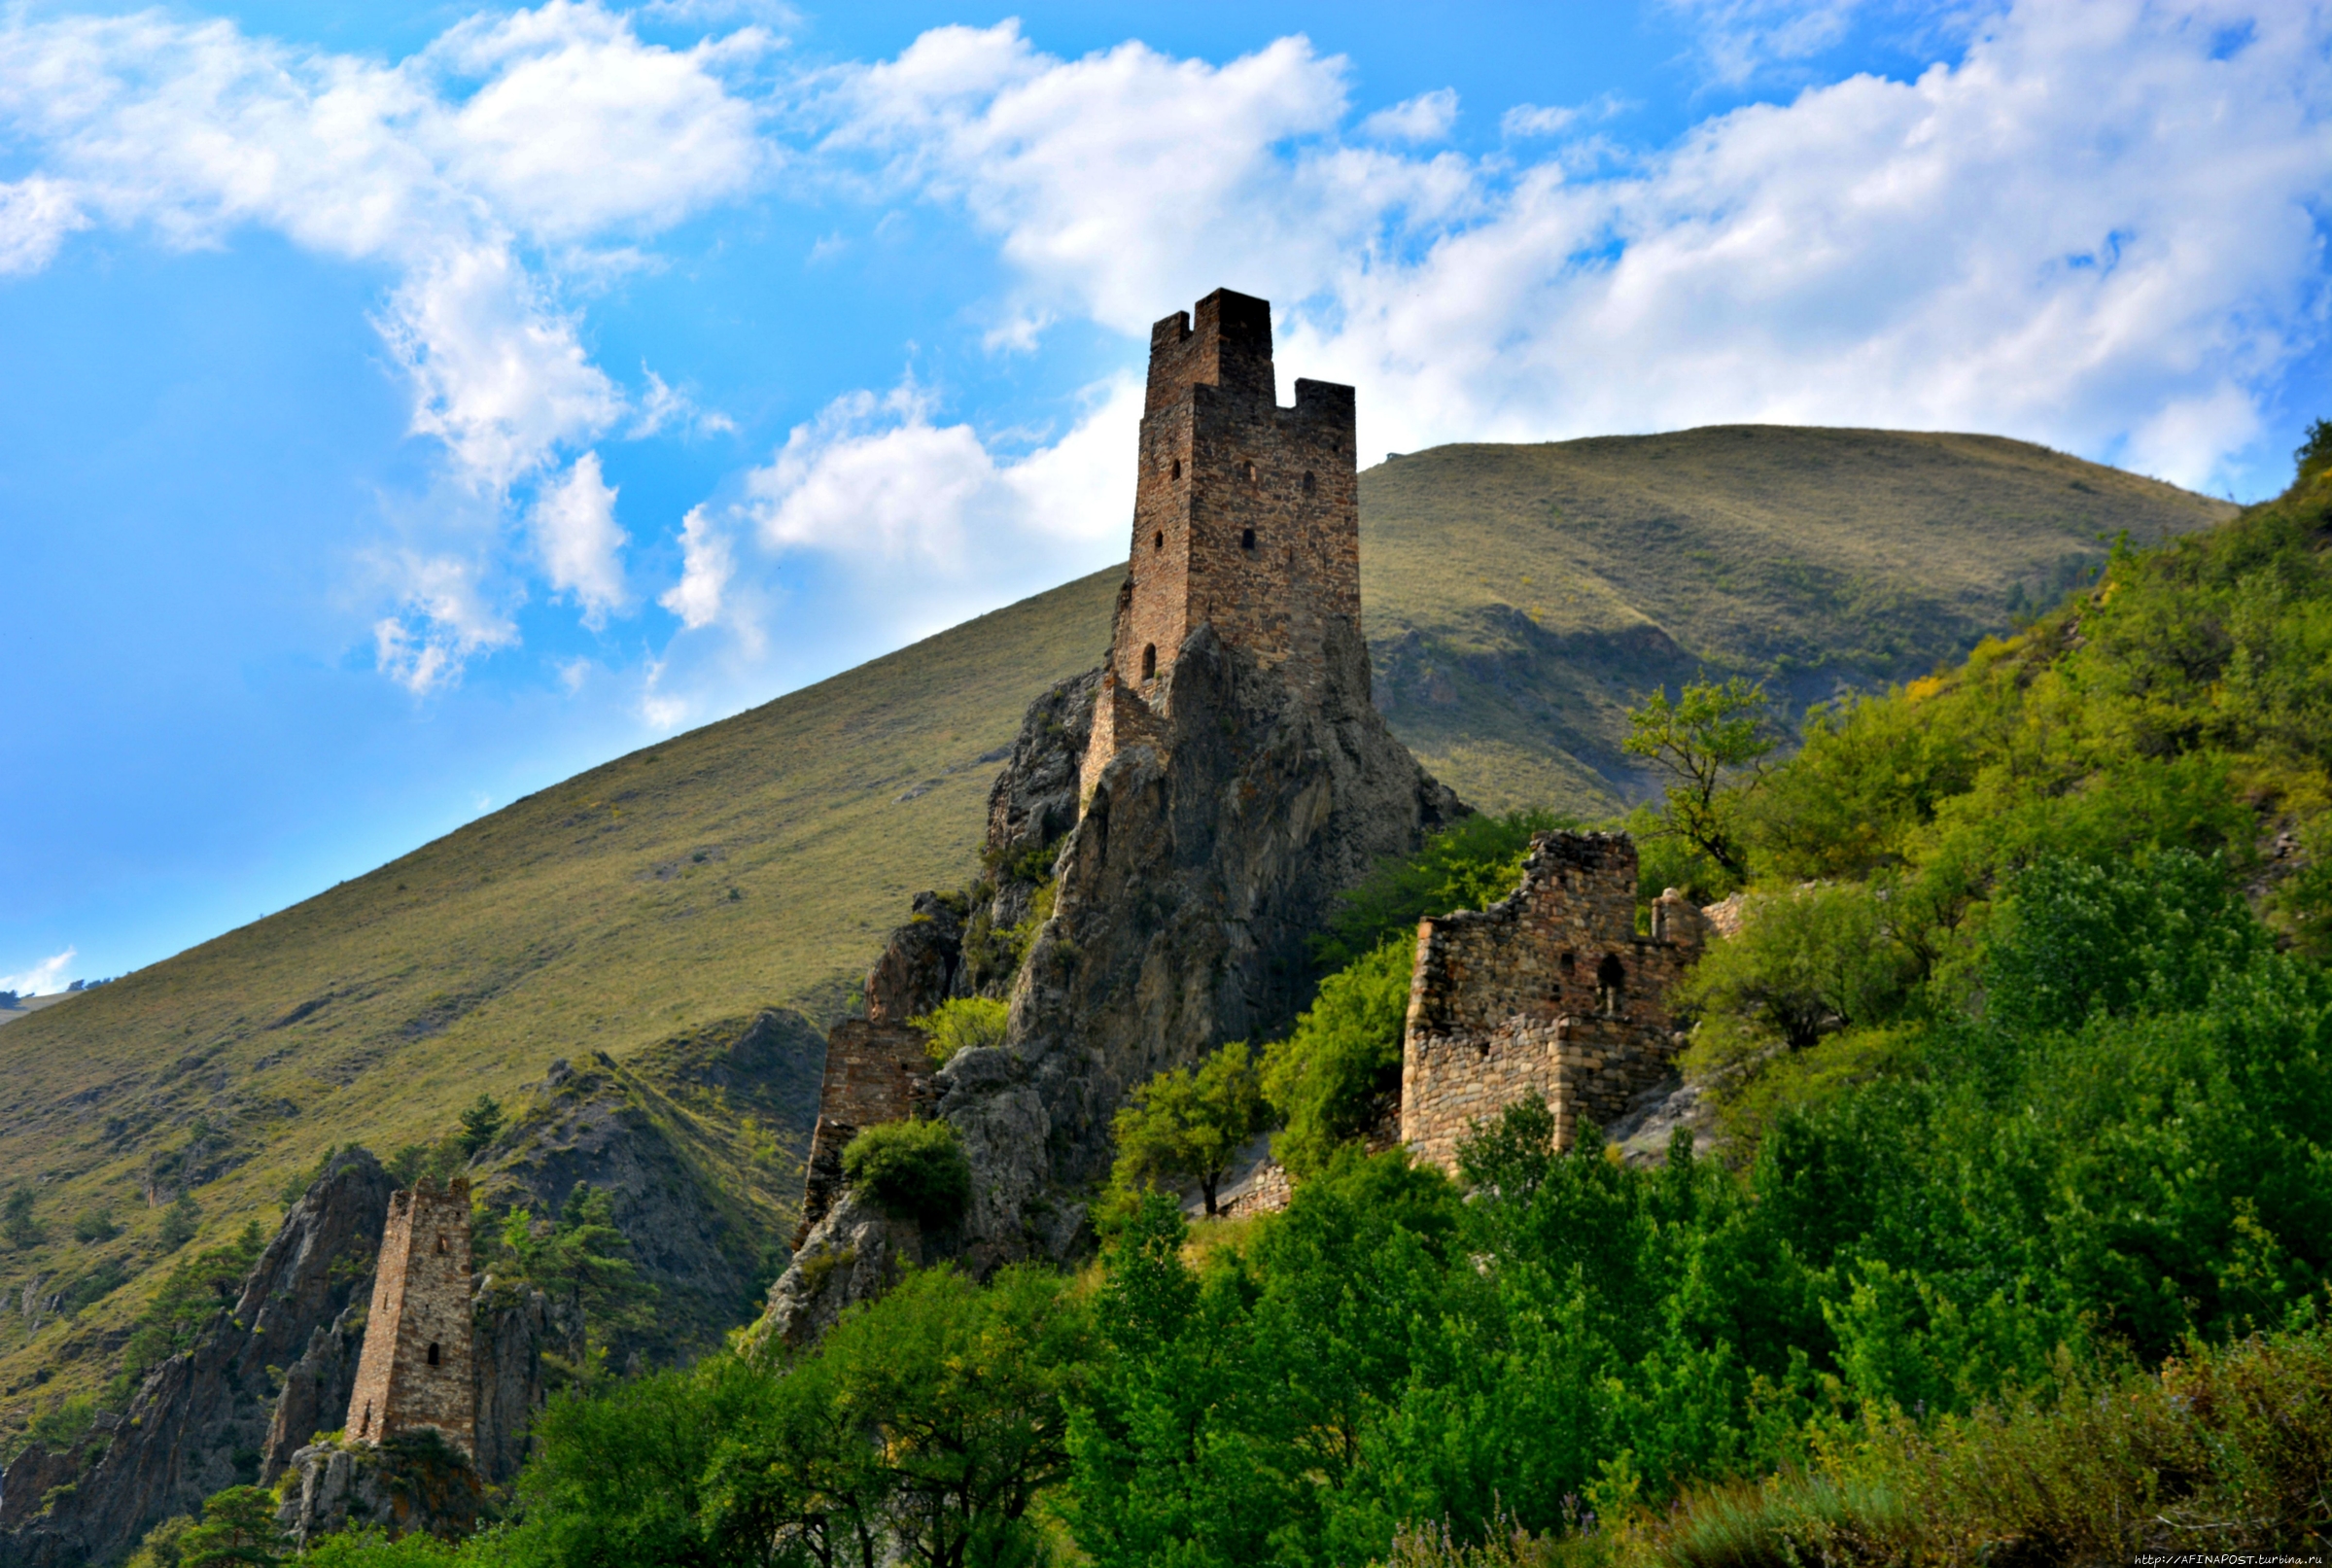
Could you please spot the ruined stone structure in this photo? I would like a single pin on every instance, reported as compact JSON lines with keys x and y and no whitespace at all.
{"x":1246,"y":517}
{"x":876,"y":1072}
{"x":415,"y":1371}
{"x":1171,"y":831}
{"x":1551,"y":991}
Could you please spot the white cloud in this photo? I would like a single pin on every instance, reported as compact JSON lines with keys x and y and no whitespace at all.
{"x":1553,"y":120}
{"x":581,"y":129}
{"x":36,"y":215}
{"x":2089,"y":231}
{"x":582,"y":549}
{"x":42,"y":978}
{"x":664,"y":406}
{"x":556,"y":127}
{"x":707,"y":563}
{"x":444,"y":621}
{"x":1429,"y":117}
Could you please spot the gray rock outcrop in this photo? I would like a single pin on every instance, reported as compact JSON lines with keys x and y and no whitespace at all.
{"x":1184,"y":900}
{"x":203,"y":1419}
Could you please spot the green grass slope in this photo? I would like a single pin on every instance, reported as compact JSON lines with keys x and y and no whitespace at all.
{"x":1517,"y":598}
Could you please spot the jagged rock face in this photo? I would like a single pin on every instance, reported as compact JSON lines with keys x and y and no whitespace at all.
{"x":204,"y":1419}
{"x":512,"y":1329}
{"x":619,"y":1128}
{"x":852,"y":1255}
{"x":402,"y":1487}
{"x":1185,"y":898}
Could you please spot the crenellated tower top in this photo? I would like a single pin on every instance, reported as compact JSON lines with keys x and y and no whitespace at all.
{"x":1246,"y":516}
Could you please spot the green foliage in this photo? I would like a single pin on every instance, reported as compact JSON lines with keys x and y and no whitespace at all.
{"x":17,"y":1224}
{"x":929,"y":1421}
{"x":1710,"y":743}
{"x":2314,"y":456}
{"x":1808,"y":961}
{"x":239,"y":1530}
{"x":413,"y":1162}
{"x":1187,"y":1126}
{"x":64,"y":1423}
{"x":579,"y":1258}
{"x":180,"y":1222}
{"x":195,"y":1291}
{"x":480,"y":1123}
{"x":1471,"y":864}
{"x":915,"y":1169}
{"x":963,"y":1022}
{"x":371,"y":1548}
{"x":95,"y":1224}
{"x":109,"y":1275}
{"x":160,"y":1547}
{"x":1332,"y":1077}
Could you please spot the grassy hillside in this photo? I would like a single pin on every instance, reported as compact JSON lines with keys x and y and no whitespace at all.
{"x":1517,"y":597}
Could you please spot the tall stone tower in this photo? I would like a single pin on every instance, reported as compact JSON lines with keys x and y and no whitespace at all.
{"x":1246,"y":516}
{"x":415,"y":1369}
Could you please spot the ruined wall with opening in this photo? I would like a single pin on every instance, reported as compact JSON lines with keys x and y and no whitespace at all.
{"x":1549,"y":992}
{"x":416,"y":1366}
{"x":1246,"y":516}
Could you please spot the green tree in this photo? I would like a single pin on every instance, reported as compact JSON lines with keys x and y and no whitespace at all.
{"x":579,"y":1259}
{"x":22,"y":1231}
{"x":179,"y":1221}
{"x":1709,"y":741}
{"x":966,"y":1393}
{"x":915,"y":1170}
{"x":95,"y":1224}
{"x":962,"y":1023}
{"x":2314,"y":455}
{"x":1337,"y":1069}
{"x":239,"y":1530}
{"x":1186,"y":1124}
{"x":479,"y":1125}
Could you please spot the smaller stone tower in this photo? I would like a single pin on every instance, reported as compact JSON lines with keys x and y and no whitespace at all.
{"x":1246,"y":516}
{"x":415,"y":1371}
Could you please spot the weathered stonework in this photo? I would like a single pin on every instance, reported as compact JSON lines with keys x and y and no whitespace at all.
{"x":1548,"y":992}
{"x":876,"y":1072}
{"x":1246,"y":517}
{"x":1170,"y":833}
{"x":415,"y":1371}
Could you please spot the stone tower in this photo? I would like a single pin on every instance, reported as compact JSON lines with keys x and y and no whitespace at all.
{"x":1246,"y":516}
{"x":415,"y":1369}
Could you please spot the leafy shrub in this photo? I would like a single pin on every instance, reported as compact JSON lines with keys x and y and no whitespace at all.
{"x":180,"y":1222}
{"x":1807,"y":963}
{"x":16,"y":1223}
{"x":1330,"y":1078}
{"x":963,"y":1022}
{"x":914,"y":1170}
{"x":1186,"y":1124}
{"x":1471,"y":864}
{"x":95,"y":1224}
{"x":64,"y":1423}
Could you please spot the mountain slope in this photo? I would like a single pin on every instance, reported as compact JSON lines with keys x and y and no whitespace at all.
{"x":1516,"y":599}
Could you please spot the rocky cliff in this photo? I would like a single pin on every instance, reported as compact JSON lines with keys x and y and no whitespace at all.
{"x":1182,"y":896}
{"x":206,"y":1418}
{"x":216,"y":1414}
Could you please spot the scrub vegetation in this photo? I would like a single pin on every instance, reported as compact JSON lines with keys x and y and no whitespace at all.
{"x":1519,"y":600}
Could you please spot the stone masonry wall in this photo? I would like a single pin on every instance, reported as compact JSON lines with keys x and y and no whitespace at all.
{"x":876,"y":1072}
{"x":1548,"y":992}
{"x":415,"y":1369}
{"x":1246,"y":516}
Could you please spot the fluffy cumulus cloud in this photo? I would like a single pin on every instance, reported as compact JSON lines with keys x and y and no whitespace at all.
{"x":581,"y":548}
{"x":2097,"y":226}
{"x":444,"y":618}
{"x":475,"y":171}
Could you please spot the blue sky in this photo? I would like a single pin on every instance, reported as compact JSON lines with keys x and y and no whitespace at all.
{"x":404,"y":407}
